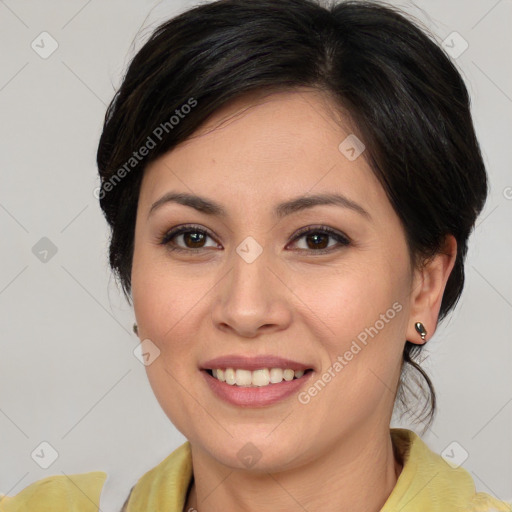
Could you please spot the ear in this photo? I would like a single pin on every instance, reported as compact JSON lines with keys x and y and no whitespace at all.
{"x":427,"y":290}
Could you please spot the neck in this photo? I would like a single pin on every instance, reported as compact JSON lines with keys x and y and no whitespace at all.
{"x":357,"y":476}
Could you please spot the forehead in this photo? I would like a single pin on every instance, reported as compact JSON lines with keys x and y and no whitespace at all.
{"x":266,"y":146}
{"x":293,"y":116}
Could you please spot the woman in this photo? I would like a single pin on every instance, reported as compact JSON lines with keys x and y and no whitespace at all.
{"x":290,"y":190}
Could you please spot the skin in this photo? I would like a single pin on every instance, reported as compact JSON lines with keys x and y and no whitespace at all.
{"x":335,"y":452}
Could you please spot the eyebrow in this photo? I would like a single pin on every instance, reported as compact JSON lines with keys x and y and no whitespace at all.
{"x":209,"y":207}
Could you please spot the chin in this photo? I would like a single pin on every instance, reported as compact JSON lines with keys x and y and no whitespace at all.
{"x":255,"y":451}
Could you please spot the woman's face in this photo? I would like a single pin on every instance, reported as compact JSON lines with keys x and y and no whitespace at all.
{"x":248,"y":283}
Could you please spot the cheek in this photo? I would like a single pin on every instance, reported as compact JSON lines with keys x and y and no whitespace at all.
{"x":172,"y":305}
{"x":359,"y":315}
{"x":345,"y":302}
{"x":159,"y":293}
{"x":163,"y":303}
{"x":166,"y":307}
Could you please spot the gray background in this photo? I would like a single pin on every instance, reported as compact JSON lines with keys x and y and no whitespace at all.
{"x":68,"y":375}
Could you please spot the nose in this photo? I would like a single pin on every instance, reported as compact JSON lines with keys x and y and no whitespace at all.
{"x":252,"y":299}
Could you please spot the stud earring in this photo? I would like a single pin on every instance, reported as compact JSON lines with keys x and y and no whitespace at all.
{"x":420,"y":328}
{"x":135,"y":329}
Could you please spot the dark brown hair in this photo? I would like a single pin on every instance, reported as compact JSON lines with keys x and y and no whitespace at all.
{"x":406,"y":100}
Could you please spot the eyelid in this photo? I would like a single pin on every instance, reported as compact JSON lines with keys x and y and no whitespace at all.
{"x":167,"y":235}
{"x":320,"y":228}
{"x":342,"y":239}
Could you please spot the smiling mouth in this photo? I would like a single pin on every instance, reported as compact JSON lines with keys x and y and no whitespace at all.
{"x":256,"y":378}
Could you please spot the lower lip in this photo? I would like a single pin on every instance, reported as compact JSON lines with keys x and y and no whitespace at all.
{"x":255,"y":396}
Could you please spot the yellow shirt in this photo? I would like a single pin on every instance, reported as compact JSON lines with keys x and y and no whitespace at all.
{"x":426,"y":483}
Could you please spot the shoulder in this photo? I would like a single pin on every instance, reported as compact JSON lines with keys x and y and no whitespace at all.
{"x":59,"y":493}
{"x":430,"y":481}
{"x":483,"y":502}
{"x":165,"y":486}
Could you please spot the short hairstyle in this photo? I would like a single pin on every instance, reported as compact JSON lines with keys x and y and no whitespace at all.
{"x":403,"y":95}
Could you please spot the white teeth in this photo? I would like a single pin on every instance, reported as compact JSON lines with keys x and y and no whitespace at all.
{"x":276,"y":375}
{"x":256,"y":378}
{"x":288,"y":374}
{"x":243,"y":377}
{"x":229,"y":374}
{"x":261,"y":377}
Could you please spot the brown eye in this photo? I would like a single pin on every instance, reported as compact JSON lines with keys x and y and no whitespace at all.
{"x":193,"y":239}
{"x":317,"y":239}
{"x":186,"y":238}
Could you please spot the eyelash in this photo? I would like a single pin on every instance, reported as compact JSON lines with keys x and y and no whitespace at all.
{"x":342,"y":240}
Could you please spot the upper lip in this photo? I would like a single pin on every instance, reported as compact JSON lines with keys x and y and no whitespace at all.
{"x":252,"y":363}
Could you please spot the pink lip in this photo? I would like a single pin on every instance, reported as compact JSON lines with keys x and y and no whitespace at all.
{"x":254,"y":396}
{"x":252,"y":363}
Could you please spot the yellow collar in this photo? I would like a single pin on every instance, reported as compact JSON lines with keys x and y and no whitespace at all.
{"x":426,"y":483}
